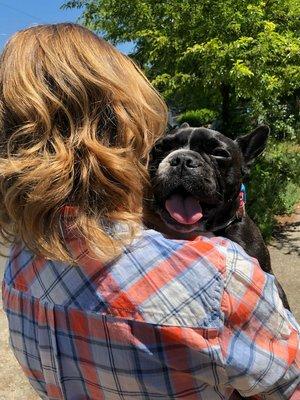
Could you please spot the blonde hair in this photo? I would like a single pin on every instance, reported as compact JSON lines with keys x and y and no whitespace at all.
{"x":77,"y":122}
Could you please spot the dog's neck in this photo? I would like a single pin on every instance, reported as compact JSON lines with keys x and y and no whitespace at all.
{"x":234,"y":211}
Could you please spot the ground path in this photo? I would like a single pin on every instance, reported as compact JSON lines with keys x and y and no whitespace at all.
{"x":285,"y":257}
{"x":284,"y":249}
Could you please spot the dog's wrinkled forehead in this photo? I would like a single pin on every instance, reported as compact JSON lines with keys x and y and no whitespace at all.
{"x":200,"y":139}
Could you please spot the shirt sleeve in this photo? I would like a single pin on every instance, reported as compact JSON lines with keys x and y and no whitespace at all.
{"x":260,"y":340}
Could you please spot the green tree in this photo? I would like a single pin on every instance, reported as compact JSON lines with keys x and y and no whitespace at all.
{"x":240,"y":58}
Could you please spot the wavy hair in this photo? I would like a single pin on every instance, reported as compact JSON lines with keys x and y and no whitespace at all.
{"x":77,"y":122}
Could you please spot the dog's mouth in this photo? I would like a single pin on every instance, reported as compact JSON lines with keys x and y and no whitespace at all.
{"x":185,"y":209}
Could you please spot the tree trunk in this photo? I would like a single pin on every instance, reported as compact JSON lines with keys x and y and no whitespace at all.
{"x":225,"y":124}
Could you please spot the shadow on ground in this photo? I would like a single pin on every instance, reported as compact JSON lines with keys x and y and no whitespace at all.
{"x":287,"y":238}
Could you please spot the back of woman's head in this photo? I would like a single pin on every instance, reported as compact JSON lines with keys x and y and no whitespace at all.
{"x":77,"y":121}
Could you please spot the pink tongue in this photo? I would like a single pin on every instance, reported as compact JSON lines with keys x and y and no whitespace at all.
{"x":185,"y":210}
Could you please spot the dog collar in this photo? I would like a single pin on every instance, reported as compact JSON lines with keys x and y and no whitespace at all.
{"x":242,"y":201}
{"x":241,"y":211}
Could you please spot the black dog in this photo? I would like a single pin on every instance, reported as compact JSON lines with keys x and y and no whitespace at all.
{"x":196,"y":176}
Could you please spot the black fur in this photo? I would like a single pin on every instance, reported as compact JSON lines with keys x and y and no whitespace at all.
{"x":211,"y":167}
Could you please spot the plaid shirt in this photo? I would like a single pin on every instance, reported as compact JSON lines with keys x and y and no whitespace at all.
{"x":169,"y":319}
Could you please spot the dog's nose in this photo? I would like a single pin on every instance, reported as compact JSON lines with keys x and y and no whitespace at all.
{"x":184,"y":160}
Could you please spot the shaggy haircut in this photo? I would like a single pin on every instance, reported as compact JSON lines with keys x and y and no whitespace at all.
{"x":77,"y":122}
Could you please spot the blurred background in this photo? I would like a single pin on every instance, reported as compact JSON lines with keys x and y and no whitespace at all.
{"x":230,"y":65}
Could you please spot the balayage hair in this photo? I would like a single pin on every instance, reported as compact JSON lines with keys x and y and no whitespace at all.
{"x":77,"y":121}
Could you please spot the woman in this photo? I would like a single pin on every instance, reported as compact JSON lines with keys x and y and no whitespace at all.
{"x":98,"y":306}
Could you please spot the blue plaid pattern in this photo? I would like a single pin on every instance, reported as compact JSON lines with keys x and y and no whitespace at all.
{"x":169,"y":319}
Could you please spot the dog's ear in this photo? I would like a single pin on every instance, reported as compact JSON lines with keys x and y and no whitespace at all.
{"x":185,"y":125}
{"x":253,"y":144}
{"x":170,"y":128}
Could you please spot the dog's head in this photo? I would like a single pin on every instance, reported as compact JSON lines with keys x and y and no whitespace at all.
{"x":196,"y":174}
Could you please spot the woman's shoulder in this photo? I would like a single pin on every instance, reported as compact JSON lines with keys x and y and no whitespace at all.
{"x":222,"y":253}
{"x":156,"y":279}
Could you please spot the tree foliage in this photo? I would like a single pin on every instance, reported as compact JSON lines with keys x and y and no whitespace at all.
{"x":202,"y":117}
{"x":240,"y":58}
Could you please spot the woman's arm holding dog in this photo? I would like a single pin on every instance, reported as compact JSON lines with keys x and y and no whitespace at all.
{"x":260,"y":341}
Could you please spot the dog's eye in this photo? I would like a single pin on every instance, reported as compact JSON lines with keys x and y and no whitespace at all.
{"x":220,"y":153}
{"x":158,"y":147}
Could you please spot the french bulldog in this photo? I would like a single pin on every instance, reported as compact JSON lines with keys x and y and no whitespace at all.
{"x":196,"y":176}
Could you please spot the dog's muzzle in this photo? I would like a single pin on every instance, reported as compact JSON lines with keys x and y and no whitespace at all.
{"x":184,"y":180}
{"x":185,"y":161}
